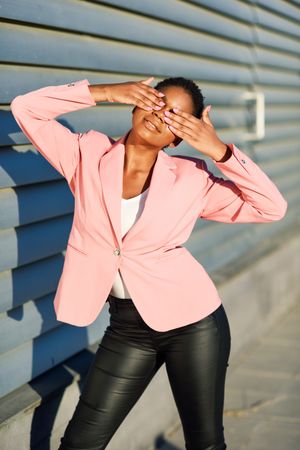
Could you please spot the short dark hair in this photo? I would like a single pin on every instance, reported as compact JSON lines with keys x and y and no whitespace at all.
{"x":190,"y":87}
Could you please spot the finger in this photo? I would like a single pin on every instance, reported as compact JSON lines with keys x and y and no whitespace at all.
{"x":143,"y":102}
{"x":205,"y":115}
{"x":180,"y":121}
{"x":142,"y":105}
{"x":183,"y":116}
{"x":150,"y":99}
{"x":148,"y":80}
{"x":153,"y":91}
{"x":152,"y":94}
{"x":184,"y":133}
{"x":191,"y":117}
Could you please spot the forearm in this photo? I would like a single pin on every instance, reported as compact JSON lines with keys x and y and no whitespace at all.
{"x":100,"y":92}
{"x":248,"y":196}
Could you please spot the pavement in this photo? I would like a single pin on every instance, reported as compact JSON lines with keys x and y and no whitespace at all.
{"x":262,"y":394}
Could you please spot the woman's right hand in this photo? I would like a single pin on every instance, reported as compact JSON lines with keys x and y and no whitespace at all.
{"x":136,"y":93}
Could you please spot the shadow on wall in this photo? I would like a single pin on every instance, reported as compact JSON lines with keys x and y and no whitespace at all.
{"x":32,"y":258}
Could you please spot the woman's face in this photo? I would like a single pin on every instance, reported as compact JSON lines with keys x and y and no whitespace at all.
{"x":160,"y":136}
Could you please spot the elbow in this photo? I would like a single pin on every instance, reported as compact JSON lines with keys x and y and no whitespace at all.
{"x":275,"y":214}
{"x":280,"y":211}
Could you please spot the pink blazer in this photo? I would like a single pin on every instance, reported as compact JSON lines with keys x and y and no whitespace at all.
{"x":169,"y":287}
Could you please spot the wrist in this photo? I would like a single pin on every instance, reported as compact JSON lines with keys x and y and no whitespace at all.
{"x":108,"y":93}
{"x":101,"y":92}
{"x":222,"y":154}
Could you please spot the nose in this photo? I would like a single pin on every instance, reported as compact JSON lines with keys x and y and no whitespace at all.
{"x":159,"y":115}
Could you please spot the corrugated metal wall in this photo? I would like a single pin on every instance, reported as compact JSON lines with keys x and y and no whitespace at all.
{"x":228,"y":48}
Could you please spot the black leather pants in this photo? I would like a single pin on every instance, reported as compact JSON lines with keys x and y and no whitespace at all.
{"x":130,"y":353}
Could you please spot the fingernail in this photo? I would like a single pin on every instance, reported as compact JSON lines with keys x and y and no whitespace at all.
{"x":161,"y":94}
{"x":209,"y":108}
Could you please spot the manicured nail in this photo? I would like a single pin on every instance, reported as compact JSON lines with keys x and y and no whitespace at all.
{"x":176,"y":110}
{"x":209,"y":108}
{"x":161,"y":94}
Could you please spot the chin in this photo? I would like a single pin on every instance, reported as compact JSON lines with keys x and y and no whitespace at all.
{"x":144,"y":134}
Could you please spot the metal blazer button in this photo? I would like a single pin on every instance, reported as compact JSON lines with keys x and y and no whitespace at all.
{"x":117,"y":251}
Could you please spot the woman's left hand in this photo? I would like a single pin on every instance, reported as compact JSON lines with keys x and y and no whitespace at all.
{"x":199,"y":133}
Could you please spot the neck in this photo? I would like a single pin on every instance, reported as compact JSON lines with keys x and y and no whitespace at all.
{"x":139,"y":157}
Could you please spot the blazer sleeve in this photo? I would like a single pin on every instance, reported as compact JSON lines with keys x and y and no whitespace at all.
{"x":248,"y":196}
{"x":35,"y":113}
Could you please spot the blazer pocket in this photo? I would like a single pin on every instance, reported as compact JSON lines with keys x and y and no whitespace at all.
{"x":77,"y":249}
{"x":172,"y":253}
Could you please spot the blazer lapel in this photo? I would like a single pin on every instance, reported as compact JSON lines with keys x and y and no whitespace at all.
{"x":111,"y":177}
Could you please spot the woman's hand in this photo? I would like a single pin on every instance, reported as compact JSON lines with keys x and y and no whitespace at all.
{"x":136,"y":93}
{"x":199,"y":133}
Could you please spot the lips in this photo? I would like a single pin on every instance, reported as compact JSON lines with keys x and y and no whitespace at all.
{"x":153,"y":123}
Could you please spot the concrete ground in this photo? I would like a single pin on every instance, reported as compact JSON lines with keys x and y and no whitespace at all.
{"x":262,"y":398}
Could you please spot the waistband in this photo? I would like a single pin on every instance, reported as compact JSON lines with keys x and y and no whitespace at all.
{"x":119,"y":301}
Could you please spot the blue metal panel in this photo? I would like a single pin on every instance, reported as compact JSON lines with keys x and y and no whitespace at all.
{"x":226,"y":47}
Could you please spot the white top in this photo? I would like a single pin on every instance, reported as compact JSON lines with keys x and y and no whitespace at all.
{"x":131,"y":209}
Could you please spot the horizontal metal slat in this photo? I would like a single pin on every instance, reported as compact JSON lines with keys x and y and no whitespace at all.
{"x":218,"y":257}
{"x":95,"y":53}
{"x":35,"y":357}
{"x":18,"y":249}
{"x":178,"y":10}
{"x":37,"y":316}
{"x":33,"y":203}
{"x":198,"y":32}
{"x":209,"y":234}
{"x":17,"y":80}
{"x":275,"y":40}
{"x":282,"y":8}
{"x":277,"y":22}
{"x":280,"y":131}
{"x":278,"y":149}
{"x":232,"y":8}
{"x":277,"y":168}
{"x":280,"y":113}
{"x":272,"y":76}
{"x":22,"y":165}
{"x":99,"y":118}
{"x":276,"y":59}
{"x":278,"y":95}
{"x":17,"y":286}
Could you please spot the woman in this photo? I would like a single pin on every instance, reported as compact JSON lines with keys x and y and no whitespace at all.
{"x":131,"y":352}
